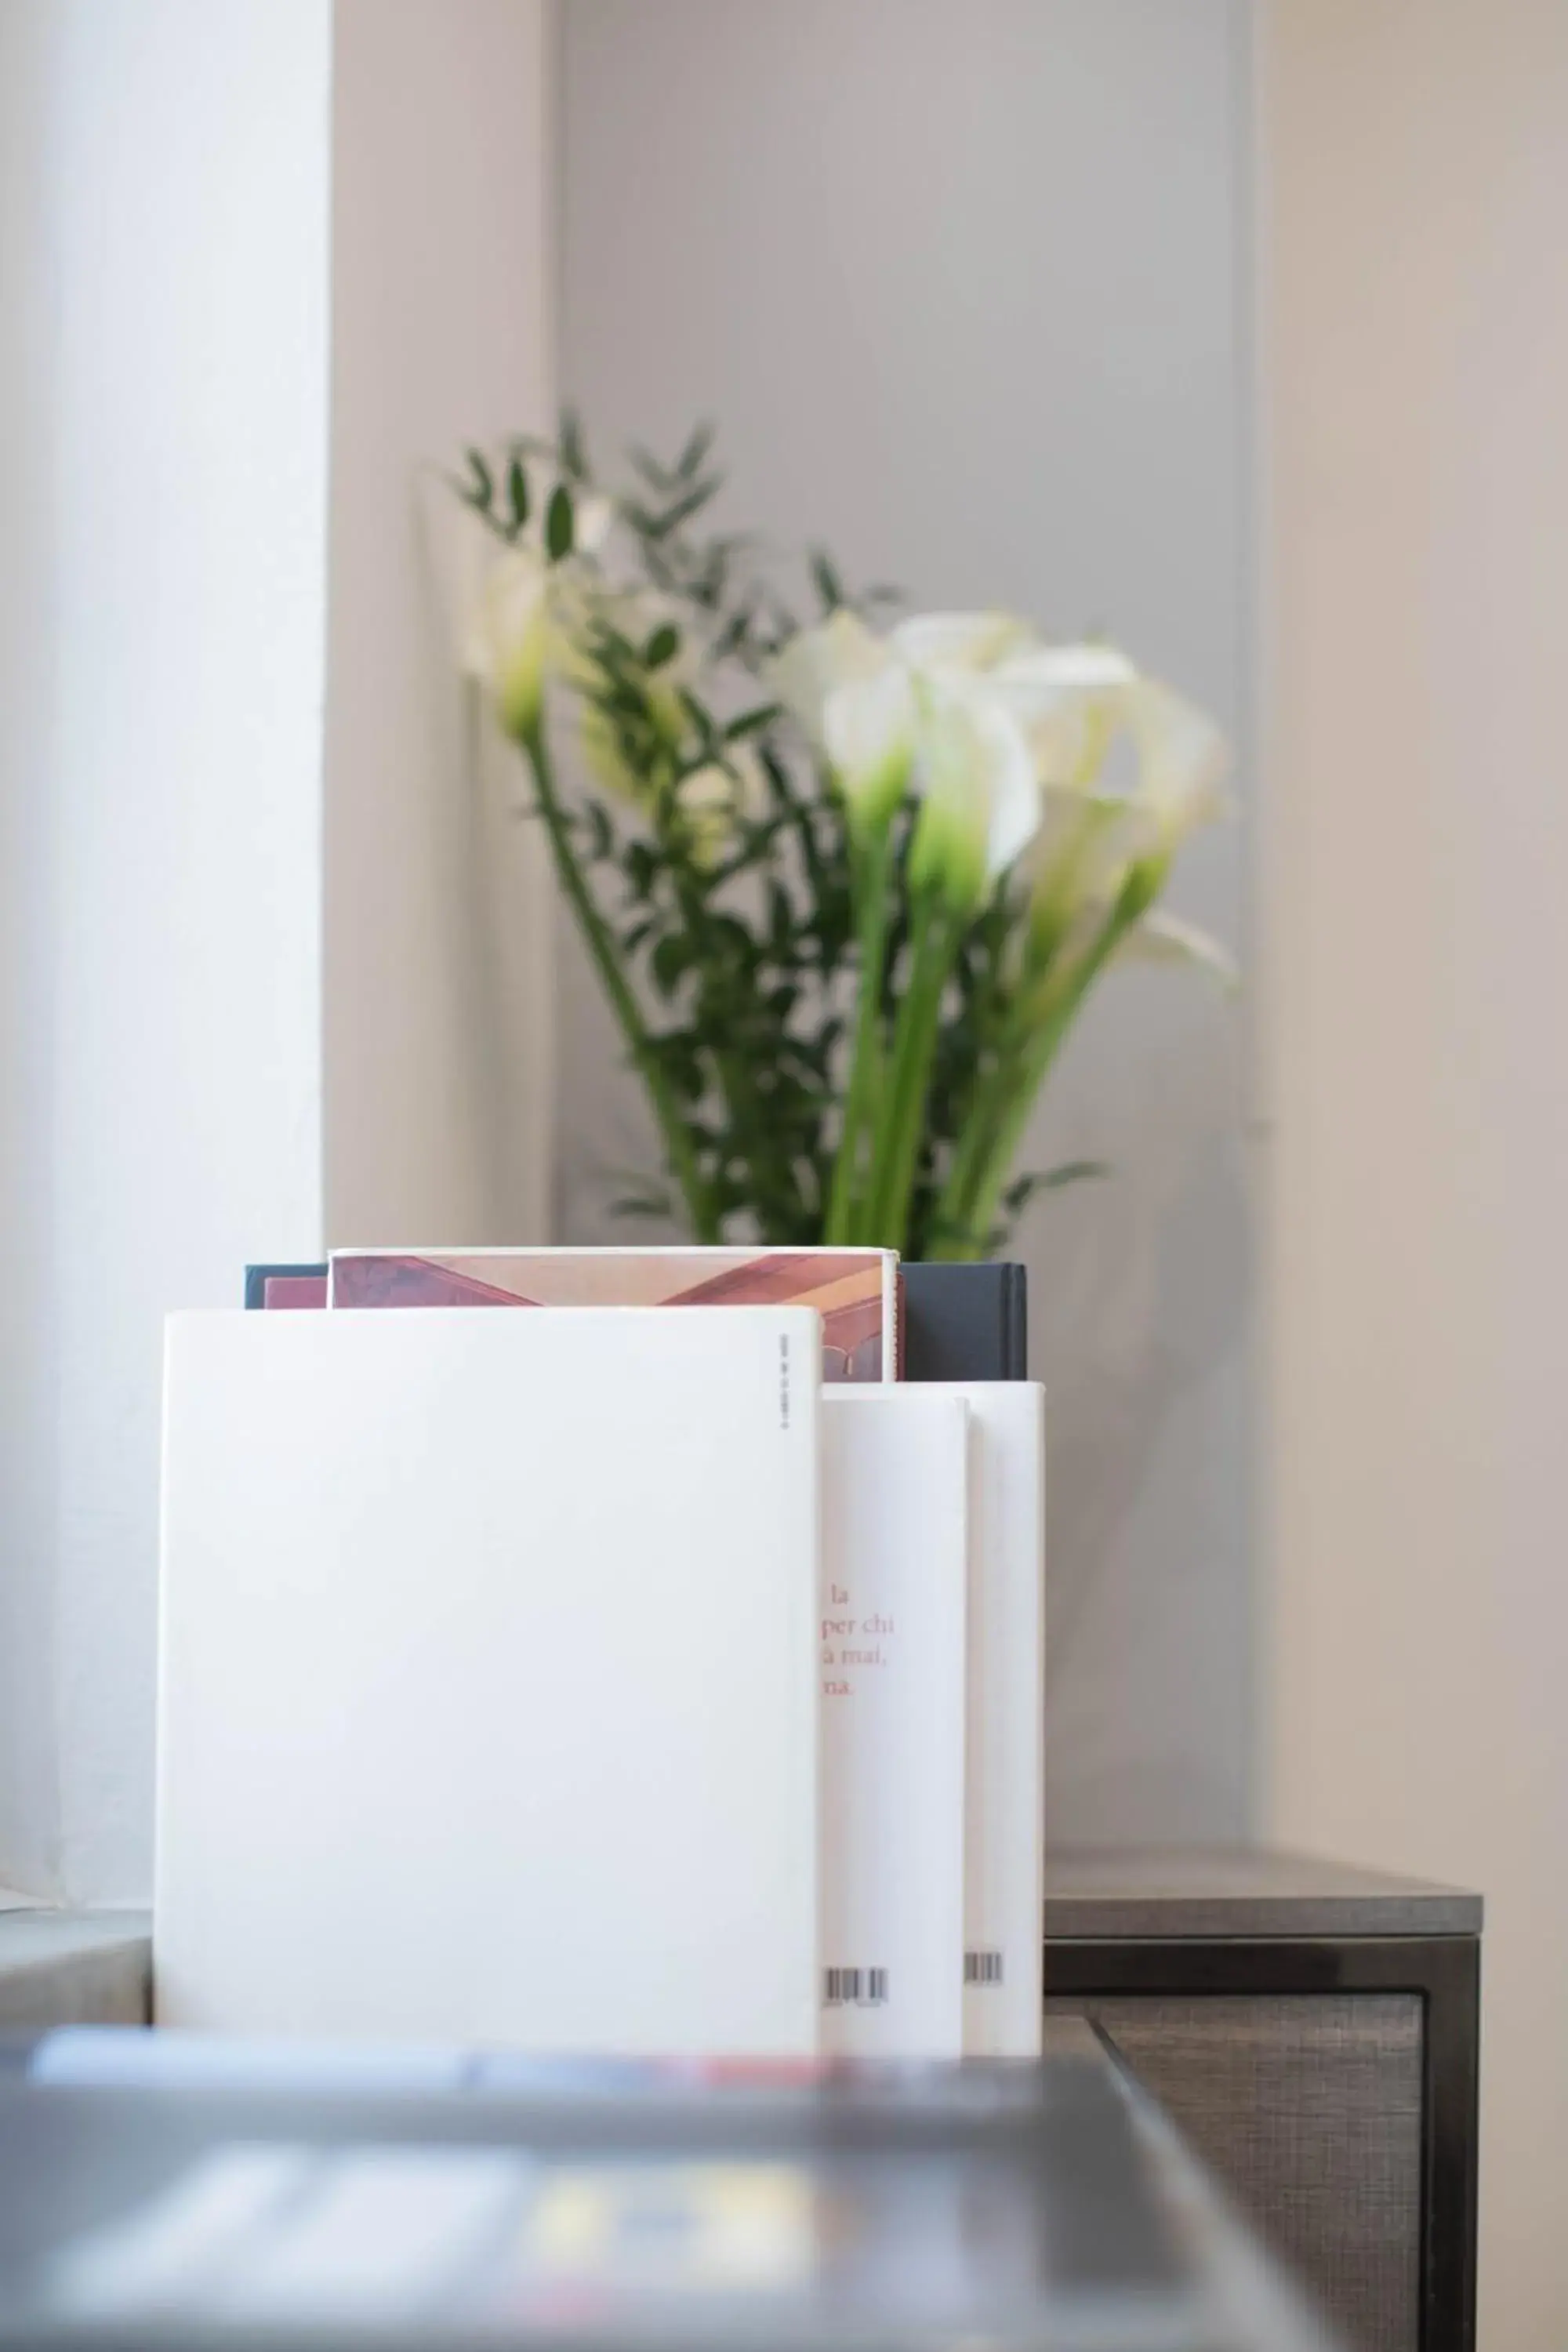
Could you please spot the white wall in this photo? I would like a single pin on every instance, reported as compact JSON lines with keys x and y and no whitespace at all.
{"x":964,"y":282}
{"x":29,"y":1802}
{"x":1418,"y":362}
{"x":167,"y":191}
{"x":227,"y":704}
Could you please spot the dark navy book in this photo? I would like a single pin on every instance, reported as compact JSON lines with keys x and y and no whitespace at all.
{"x":965,"y":1322}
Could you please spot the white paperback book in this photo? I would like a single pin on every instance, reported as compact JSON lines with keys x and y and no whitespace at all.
{"x":1004,"y":1773}
{"x":488,"y":1679}
{"x":893,"y":1700}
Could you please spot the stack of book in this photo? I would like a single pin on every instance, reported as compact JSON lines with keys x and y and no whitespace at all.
{"x":656,"y":1674}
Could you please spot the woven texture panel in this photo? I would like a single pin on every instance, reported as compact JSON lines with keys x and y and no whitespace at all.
{"x":1308,"y":2109}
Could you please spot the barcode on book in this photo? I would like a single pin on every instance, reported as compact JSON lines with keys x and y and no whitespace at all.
{"x":854,"y":1987}
{"x":982,"y":1968}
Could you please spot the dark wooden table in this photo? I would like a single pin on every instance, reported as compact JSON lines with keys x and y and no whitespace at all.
{"x":1312,"y":2031}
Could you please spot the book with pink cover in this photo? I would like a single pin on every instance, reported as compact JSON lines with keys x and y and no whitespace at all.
{"x":855,"y":1291}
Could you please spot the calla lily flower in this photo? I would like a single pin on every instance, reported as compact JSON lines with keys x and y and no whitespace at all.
{"x":509,"y":637}
{"x":862,"y":698}
{"x":1159,"y":938}
{"x":855,"y":701}
{"x":962,"y":641}
{"x":1069,"y":700}
{"x":512,"y":605}
{"x":980,"y":801}
{"x":815,"y":663}
{"x":1077,"y":859}
{"x":1073,"y":702}
{"x":1181,"y":761}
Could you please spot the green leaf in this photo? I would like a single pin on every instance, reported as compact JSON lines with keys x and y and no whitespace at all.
{"x":482,"y":491}
{"x":517,"y":491}
{"x":703,"y":721}
{"x":670,"y":961}
{"x":660,"y":525}
{"x":1073,"y":1172}
{"x":750,"y":722}
{"x":730,"y":929}
{"x":1023,"y":1188}
{"x":733,"y":636}
{"x":657,"y":477}
{"x":662,"y":647}
{"x":684,"y":1066}
{"x":698,"y":443}
{"x":829,"y":587}
{"x":559,"y":524}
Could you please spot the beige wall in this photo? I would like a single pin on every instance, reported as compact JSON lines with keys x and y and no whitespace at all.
{"x":1415,"y":260}
{"x":437,"y":938}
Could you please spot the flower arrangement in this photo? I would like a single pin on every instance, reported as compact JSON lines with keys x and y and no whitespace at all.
{"x":846,"y":883}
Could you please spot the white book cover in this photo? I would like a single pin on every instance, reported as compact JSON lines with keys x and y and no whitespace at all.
{"x":893,"y":1692}
{"x":489,"y":1690}
{"x":1004,"y":1835}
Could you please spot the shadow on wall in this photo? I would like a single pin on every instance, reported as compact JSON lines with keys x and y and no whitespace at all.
{"x":1150,"y":1575}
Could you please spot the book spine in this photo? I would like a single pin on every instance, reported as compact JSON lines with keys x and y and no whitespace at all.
{"x":891,"y":1660}
{"x":1014,"y":1323}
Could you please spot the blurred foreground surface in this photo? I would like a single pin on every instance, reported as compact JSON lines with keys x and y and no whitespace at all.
{"x":157,"y":2191}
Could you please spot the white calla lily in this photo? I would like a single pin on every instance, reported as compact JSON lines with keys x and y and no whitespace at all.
{"x":512,"y":608}
{"x":980,"y":800}
{"x":508,"y":638}
{"x":1069,"y":700}
{"x":1159,"y":938}
{"x":869,"y":733}
{"x":1183,"y":760}
{"x":1073,"y":702}
{"x":962,"y":641}
{"x":819,"y":663}
{"x":1076,"y":860}
{"x":855,"y":699}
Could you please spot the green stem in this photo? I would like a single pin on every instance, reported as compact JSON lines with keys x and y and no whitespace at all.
{"x":895,"y":1157}
{"x":1000,"y":1035}
{"x":971,"y":1199}
{"x":673,"y":1130}
{"x":949,"y":1223}
{"x":873,"y":865}
{"x":734,"y":1072}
